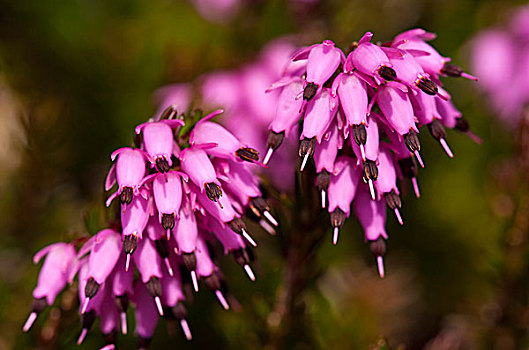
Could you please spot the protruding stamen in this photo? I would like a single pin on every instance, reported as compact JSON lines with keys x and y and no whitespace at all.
{"x":411,"y":140}
{"x":159,"y":306}
{"x":168,"y":266}
{"x":222,"y":300}
{"x":267,"y":227}
{"x":123,"y":317}
{"x":335,"y":235}
{"x":248,"y":154}
{"x":387,"y":73}
{"x":273,"y":141}
{"x":323,"y":197}
{"x":83,"y":334}
{"x":126,"y":195}
{"x":415,"y":187}
{"x":419,"y":159}
{"x":371,"y":189}
{"x":397,"y":214}
{"x":446,"y":148}
{"x":194,"y":280}
{"x":29,"y":322}
{"x":214,"y":192}
{"x":427,"y":86}
{"x":249,"y":272}
{"x":310,"y":91}
{"x":305,"y":158}
{"x":454,"y":71}
{"x":363,"y":152}
{"x":360,"y":135}
{"x":185,"y":329}
{"x":380,"y":264}
{"x":85,"y":305}
{"x":129,"y":246}
{"x":248,"y":238}
{"x":322,"y":184}
{"x":268,"y":156}
{"x":270,"y":218}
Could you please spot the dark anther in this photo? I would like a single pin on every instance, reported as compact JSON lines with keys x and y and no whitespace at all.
{"x":125,"y":197}
{"x":168,"y":221}
{"x":378,"y":247}
{"x":310,"y":91}
{"x":437,"y":130}
{"x":408,"y":167}
{"x":307,"y":146}
{"x":462,"y":125}
{"x":412,"y":141}
{"x":360,"y":134}
{"x":122,"y":302}
{"x":370,"y":170}
{"x":88,"y":319}
{"x":190,"y":261}
{"x":393,"y":200}
{"x":162,"y":165}
{"x":143,"y":343}
{"x":179,"y":311}
{"x":387,"y":73}
{"x":248,"y":154}
{"x":130,"y":243}
{"x":39,"y":305}
{"x":337,"y":218}
{"x":91,"y":288}
{"x":213,"y":191}
{"x":162,"y":247}
{"x":154,"y":287}
{"x":212,"y":281}
{"x":258,"y":206}
{"x":169,"y":113}
{"x":322,"y":180}
{"x":237,"y":225}
{"x":427,"y":86}
{"x":275,"y":139}
{"x":241,"y":257}
{"x":452,"y":70}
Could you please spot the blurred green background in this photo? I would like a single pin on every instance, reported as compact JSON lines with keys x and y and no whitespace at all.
{"x":77,"y":76}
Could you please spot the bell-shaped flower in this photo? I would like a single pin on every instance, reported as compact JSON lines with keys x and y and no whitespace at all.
{"x":352,"y":92}
{"x":146,"y":315}
{"x":128,"y":171}
{"x":197,"y":165}
{"x":386,"y":184}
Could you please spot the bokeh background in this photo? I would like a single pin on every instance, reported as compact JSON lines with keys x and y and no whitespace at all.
{"x":77,"y":76}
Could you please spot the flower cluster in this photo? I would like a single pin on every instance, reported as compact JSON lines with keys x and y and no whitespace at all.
{"x":176,"y":196}
{"x":500,"y":57}
{"x":361,"y":118}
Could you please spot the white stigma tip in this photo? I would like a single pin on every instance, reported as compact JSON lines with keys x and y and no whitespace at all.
{"x":446,"y":148}
{"x":185,"y":329}
{"x":270,"y":218}
{"x":415,"y":187}
{"x":323,"y":197}
{"x":335,"y":235}
{"x":84,"y":331}
{"x":168,"y":266}
{"x":127,"y":263}
{"x":85,"y":305}
{"x":363,"y":152}
{"x":419,"y":159}
{"x":399,"y":218}
{"x":222,"y":300}
{"x":267,"y":227}
{"x":248,"y":238}
{"x":123,"y":316}
{"x":305,"y":159}
{"x":249,"y":272}
{"x":380,"y":263}
{"x":108,"y":347}
{"x":268,"y":156}
{"x":29,"y":322}
{"x":169,"y":235}
{"x":371,"y":189}
{"x":194,"y":279}
{"x":158,"y":303}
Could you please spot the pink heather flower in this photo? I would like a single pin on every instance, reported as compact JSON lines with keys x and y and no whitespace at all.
{"x":128,"y":171}
{"x":167,"y":191}
{"x":146,"y":314}
{"x":386,"y":184}
{"x":174,"y":97}
{"x":371,"y":60}
{"x":353,"y":97}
